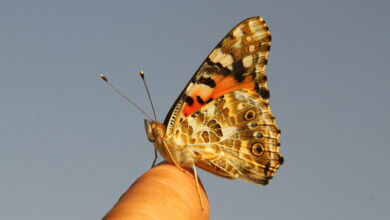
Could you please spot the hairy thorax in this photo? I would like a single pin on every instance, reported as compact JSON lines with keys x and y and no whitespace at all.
{"x":171,"y":149}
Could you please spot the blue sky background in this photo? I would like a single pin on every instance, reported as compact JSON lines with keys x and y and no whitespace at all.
{"x":70,"y":146}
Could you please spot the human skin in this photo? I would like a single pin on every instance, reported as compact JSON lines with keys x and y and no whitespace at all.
{"x":163,"y":192}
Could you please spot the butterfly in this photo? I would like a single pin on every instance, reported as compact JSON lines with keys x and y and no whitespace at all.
{"x":222,"y":121}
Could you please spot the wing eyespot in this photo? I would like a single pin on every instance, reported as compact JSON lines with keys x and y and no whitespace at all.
{"x":254,"y":124}
{"x":259,"y":135}
{"x":257,"y":149}
{"x":249,"y":115}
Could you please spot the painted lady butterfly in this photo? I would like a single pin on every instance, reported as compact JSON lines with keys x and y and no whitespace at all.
{"x":222,"y":121}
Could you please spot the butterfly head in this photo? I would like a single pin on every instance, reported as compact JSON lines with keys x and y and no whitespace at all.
{"x":154,"y":130}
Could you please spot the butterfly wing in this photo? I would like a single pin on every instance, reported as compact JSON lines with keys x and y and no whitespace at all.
{"x":234,"y":136}
{"x":222,"y":117}
{"x":237,"y":62}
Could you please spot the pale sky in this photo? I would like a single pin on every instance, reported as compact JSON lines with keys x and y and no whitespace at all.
{"x":70,"y":146}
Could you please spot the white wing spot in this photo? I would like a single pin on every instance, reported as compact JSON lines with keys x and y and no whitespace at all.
{"x":247,"y":61}
{"x":251,"y":48}
{"x":253,"y":25}
{"x":241,"y":106}
{"x":217,"y":56}
{"x":237,"y":33}
{"x":226,"y":60}
{"x":228,"y":132}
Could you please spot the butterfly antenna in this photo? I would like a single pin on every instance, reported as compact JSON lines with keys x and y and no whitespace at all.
{"x":103,"y":77}
{"x":142,"y":74}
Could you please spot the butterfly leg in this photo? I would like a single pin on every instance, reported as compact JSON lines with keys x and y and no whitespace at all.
{"x":195,"y":175}
{"x":155,"y":157}
{"x":177,"y":164}
{"x":197,"y":185}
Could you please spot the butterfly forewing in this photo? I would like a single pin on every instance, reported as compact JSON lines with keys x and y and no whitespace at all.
{"x":237,"y":62}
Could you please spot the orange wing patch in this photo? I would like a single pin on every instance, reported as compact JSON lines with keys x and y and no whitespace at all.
{"x":201,"y":94}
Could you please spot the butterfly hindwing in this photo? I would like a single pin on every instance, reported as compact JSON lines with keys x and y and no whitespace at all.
{"x":234,"y":136}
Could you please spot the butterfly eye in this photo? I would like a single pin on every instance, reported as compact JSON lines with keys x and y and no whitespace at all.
{"x":149,"y":131}
{"x":257,"y":149}
{"x":249,"y":115}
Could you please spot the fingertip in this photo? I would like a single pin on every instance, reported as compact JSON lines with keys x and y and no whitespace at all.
{"x":164,"y":191}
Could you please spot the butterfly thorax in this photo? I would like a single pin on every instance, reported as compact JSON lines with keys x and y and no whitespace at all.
{"x":170,"y":150}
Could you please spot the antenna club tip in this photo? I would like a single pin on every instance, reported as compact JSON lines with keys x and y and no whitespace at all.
{"x":103,"y":77}
{"x":141,"y":73}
